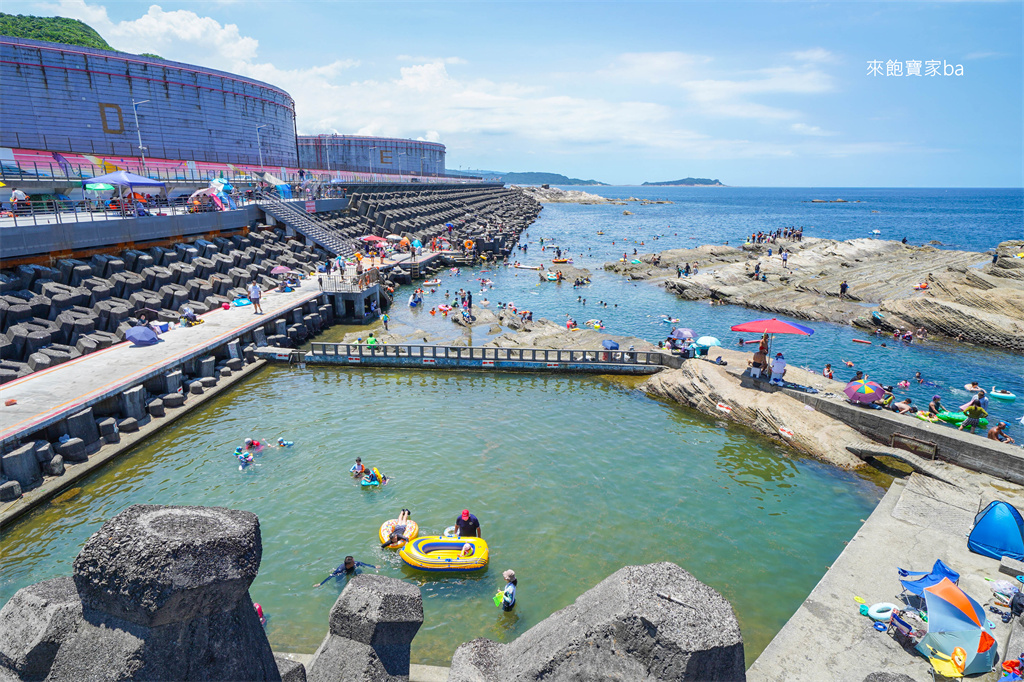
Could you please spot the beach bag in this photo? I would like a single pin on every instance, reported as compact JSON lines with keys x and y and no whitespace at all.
{"x":1017,"y":604}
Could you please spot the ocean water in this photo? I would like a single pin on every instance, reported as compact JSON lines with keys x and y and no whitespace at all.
{"x":981,"y":218}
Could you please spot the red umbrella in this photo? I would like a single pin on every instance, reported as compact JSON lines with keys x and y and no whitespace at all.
{"x":372,"y":238}
{"x":773,"y":326}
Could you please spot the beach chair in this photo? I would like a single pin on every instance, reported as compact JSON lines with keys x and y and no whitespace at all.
{"x":934,"y":577}
{"x":903,"y":632}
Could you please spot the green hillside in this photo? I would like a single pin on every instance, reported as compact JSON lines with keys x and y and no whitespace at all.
{"x":52,"y":29}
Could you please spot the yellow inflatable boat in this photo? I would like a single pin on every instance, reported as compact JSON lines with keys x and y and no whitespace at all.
{"x":438,"y":553}
{"x":386,"y":528}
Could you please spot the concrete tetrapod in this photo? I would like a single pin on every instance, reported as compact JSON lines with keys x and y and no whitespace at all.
{"x":372,"y":625}
{"x":158,"y":592}
{"x":652,"y":622}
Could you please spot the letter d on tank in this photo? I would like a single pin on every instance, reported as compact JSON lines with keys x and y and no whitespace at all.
{"x":107,"y":128}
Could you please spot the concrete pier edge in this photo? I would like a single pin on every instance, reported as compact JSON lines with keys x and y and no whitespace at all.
{"x":75,"y":473}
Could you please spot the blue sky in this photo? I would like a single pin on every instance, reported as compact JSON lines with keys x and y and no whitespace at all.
{"x":769,"y":94}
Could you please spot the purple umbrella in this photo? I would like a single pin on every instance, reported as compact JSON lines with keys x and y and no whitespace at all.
{"x":863,"y":391}
{"x":683,"y":333}
{"x":280,"y":270}
{"x":141,"y":336}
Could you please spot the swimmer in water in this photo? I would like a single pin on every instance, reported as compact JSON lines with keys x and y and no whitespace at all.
{"x":847,"y":363}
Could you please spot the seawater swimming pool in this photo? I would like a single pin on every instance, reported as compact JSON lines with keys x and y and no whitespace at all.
{"x":572,"y":478}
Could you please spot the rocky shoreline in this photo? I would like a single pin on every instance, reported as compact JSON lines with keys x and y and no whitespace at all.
{"x":972,"y":297}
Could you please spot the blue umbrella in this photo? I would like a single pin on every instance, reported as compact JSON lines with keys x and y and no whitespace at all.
{"x":610,"y":345}
{"x":141,"y":336}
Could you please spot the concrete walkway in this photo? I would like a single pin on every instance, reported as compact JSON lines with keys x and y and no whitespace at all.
{"x":918,"y":521}
{"x":47,"y":396}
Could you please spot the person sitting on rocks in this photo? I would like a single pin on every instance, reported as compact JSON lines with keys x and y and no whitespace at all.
{"x":758,"y":363}
{"x":778,"y":369}
{"x":904,"y":406}
{"x":998,"y":432}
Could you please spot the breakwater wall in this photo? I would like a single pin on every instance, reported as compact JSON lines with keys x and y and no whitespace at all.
{"x":930,"y":441}
{"x":52,"y":314}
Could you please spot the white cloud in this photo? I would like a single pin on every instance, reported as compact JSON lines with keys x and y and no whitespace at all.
{"x":805,"y":129}
{"x":815,"y":54}
{"x":654,"y":67}
{"x":422,"y":99}
{"x":180,"y":35}
{"x":445,"y":60}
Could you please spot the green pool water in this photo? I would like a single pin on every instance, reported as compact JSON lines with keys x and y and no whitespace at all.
{"x":572,"y":478}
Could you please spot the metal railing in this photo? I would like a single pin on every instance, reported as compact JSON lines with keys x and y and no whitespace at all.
{"x":171,"y":171}
{"x":339,"y":284}
{"x":59,"y":211}
{"x":541,"y":356}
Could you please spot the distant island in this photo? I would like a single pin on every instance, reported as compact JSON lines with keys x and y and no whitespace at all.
{"x":686,"y":182}
{"x":529,"y":178}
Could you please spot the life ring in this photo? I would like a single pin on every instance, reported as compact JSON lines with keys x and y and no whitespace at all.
{"x":882,"y":611}
{"x":449,"y":532}
{"x":922,"y":286}
{"x":724,"y":408}
{"x":386,"y":528}
{"x":1002,"y":395}
{"x":785,"y":432}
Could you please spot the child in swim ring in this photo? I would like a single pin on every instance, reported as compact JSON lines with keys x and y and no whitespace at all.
{"x":282,"y":443}
{"x":243,"y":456}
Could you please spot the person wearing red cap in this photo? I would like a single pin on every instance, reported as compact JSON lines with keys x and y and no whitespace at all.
{"x":467,"y":525}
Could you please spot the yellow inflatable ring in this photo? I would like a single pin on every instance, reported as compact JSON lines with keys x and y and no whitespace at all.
{"x":386,"y":528}
{"x":438,"y":553}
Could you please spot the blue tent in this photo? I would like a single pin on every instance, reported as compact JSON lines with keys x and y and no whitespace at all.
{"x":998,"y":532}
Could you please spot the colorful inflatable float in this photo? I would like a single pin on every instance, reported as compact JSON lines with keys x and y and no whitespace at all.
{"x":440,"y":553}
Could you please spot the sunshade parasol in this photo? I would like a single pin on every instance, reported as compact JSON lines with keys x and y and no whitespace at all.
{"x":773,"y":326}
{"x":372,"y":238}
{"x":141,"y":336}
{"x":708,"y":341}
{"x":863,"y":391}
{"x":956,"y":620}
{"x":394,"y":237}
{"x":280,"y":270}
{"x":682,"y":333}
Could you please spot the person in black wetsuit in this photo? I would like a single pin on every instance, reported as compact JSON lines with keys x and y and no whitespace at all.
{"x":348,"y":568}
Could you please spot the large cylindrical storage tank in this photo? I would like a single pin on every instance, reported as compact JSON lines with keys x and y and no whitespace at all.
{"x":371,"y":154}
{"x":66,"y":98}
